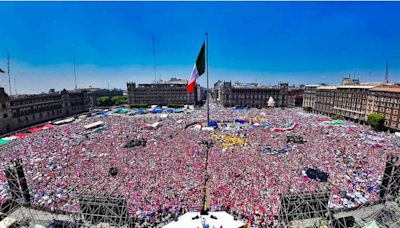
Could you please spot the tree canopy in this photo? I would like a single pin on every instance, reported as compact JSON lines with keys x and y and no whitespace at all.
{"x":377,"y":121}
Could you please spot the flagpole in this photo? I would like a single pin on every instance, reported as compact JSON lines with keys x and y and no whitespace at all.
{"x":208,"y":100}
{"x":8,"y":71}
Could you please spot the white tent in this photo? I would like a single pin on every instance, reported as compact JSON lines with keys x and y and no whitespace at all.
{"x":64,"y":121}
{"x":271,"y":102}
{"x":93,"y":125}
{"x":188,"y":220}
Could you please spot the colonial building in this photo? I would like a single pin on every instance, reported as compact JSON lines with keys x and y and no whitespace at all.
{"x":324,"y":99}
{"x":23,"y":111}
{"x":351,"y":101}
{"x":385,"y":100}
{"x":172,"y":92}
{"x":251,"y":94}
{"x":309,"y":95}
{"x":295,"y":97}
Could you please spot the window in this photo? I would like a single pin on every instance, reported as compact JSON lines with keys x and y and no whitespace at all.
{"x":5,"y":115}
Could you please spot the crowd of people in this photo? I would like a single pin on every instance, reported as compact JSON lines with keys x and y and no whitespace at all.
{"x":166,"y":177}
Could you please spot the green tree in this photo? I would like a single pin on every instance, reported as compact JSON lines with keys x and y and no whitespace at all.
{"x":105,"y":101}
{"x":377,"y":121}
{"x":337,"y":117}
{"x":120,"y":100}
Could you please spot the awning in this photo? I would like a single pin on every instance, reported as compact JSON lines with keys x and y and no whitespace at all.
{"x":93,"y":125}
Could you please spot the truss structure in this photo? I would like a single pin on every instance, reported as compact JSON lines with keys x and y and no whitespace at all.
{"x":304,"y":205}
{"x":104,"y":209}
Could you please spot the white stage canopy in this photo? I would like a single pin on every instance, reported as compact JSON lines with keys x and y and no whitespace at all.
{"x":224,"y":220}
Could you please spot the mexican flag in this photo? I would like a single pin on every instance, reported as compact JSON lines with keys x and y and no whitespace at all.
{"x":198,"y":69}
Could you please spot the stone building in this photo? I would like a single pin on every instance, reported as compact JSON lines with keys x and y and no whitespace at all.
{"x":295,"y":97}
{"x":309,"y":95}
{"x":351,"y":101}
{"x":251,"y":94}
{"x":324,"y":99}
{"x":172,"y":92}
{"x":385,"y":100}
{"x":26,"y":110}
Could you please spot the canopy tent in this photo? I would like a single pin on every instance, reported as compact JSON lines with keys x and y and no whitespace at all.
{"x":123,"y":111}
{"x":64,"y":121}
{"x":19,"y":135}
{"x":44,"y":127}
{"x":151,"y":126}
{"x":94,"y":125}
{"x":195,"y":220}
{"x":207,"y":128}
{"x":178,"y":110}
{"x":95,"y":130}
{"x":212,"y":123}
{"x":4,"y":141}
{"x":242,"y":120}
{"x":156,"y":110}
{"x":141,"y":111}
{"x":271,"y":102}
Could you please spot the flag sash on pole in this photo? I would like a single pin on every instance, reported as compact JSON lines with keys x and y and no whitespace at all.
{"x":198,"y":69}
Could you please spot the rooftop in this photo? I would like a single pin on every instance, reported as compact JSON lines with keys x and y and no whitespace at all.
{"x":387,"y":88}
{"x":326,"y":87}
{"x":356,"y":86}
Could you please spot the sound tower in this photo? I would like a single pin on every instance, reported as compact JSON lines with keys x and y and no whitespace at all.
{"x":13,"y":183}
{"x":389,"y":179}
{"x":303,"y":205}
{"x":22,"y":182}
{"x":17,"y":182}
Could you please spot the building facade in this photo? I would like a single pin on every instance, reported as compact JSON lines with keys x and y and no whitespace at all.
{"x":351,"y":101}
{"x":23,"y":111}
{"x":356,"y":102}
{"x":385,"y":100}
{"x":309,"y":95}
{"x":324,"y":99}
{"x":251,"y":94}
{"x":172,"y":92}
{"x":295,"y":97}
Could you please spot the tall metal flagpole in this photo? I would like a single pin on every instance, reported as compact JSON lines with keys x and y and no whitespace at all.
{"x":208,"y":99}
{"x":8,"y":71}
{"x":76,"y":86}
{"x":154,"y":59}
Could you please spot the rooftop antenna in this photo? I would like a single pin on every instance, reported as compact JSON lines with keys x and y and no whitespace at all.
{"x":387,"y":73}
{"x":76,"y":87}
{"x":8,"y":71}
{"x":369,"y":77}
{"x":154,"y":59}
{"x":108,"y":85}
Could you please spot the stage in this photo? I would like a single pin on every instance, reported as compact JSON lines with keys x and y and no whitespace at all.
{"x":223,"y":219}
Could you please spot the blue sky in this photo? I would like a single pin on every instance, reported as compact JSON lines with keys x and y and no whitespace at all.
{"x":265,"y":42}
